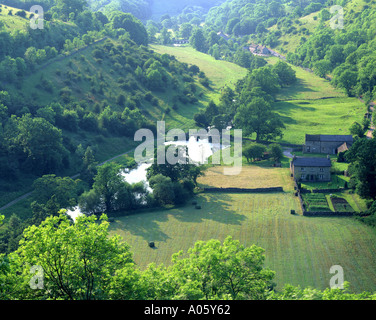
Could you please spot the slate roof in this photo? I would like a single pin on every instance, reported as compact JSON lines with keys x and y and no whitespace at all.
{"x":329,"y":138}
{"x":311,"y":162}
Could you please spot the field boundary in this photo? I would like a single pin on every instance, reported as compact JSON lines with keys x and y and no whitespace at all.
{"x":327,"y":214}
{"x":244,"y":190}
{"x":306,"y":213}
{"x":283,"y":144}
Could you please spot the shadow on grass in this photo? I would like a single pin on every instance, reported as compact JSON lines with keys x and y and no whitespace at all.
{"x":301,"y":86}
{"x":145,"y":225}
{"x":290,"y":107}
{"x":214,"y":207}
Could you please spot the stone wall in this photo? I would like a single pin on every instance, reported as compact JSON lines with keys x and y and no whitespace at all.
{"x":244,"y":190}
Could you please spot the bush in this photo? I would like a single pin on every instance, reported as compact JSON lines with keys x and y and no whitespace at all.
{"x":21,"y":14}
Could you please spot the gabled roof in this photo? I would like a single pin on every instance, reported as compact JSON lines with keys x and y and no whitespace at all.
{"x":343,"y":147}
{"x":311,"y":162}
{"x":329,"y":138}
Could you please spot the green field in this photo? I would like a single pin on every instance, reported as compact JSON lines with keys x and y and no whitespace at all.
{"x":300,"y":249}
{"x":325,"y":116}
{"x":308,"y":86}
{"x":220,"y":73}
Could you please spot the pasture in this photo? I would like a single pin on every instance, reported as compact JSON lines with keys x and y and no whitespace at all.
{"x":300,"y":249}
{"x":251,"y":176}
{"x":309,"y":86}
{"x":221,"y":73}
{"x":324,"y":116}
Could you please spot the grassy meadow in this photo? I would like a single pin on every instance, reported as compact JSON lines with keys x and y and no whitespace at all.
{"x":300,"y":249}
{"x":324,"y":116}
{"x":251,"y":176}
{"x":220,"y":73}
{"x":309,"y":86}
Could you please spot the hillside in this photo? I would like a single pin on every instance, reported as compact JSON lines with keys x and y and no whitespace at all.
{"x":74,"y":94}
{"x":220,"y":73}
{"x":150,"y":9}
{"x":12,"y":19}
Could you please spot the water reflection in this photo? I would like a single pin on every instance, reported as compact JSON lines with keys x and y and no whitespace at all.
{"x":199,"y":152}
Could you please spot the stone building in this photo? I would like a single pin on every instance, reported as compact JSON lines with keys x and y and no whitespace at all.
{"x":311,"y":169}
{"x":328,"y":144}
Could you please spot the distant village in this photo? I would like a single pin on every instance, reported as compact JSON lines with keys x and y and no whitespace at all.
{"x":255,"y":49}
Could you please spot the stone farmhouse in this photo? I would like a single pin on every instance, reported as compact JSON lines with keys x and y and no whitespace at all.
{"x":327,"y":144}
{"x":311,"y":169}
{"x":256,"y":49}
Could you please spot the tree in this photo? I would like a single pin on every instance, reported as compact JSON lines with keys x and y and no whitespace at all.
{"x":154,"y":79}
{"x":276,"y":152}
{"x":80,"y":261}
{"x":198,"y":41}
{"x":361,"y":155}
{"x":253,"y":151}
{"x":89,"y":166}
{"x":347,"y":80}
{"x":65,"y":190}
{"x":185,"y":30}
{"x":286,"y":74}
{"x":163,"y":189}
{"x":107,"y":184}
{"x":65,"y":7}
{"x":322,"y":68}
{"x":127,"y":22}
{"x":257,"y":117}
{"x":221,"y":271}
{"x":356,"y":129}
{"x":38,"y":143}
{"x":231,"y":24}
{"x":264,"y":78}
{"x":165,"y":36}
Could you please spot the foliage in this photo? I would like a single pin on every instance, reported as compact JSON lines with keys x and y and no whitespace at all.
{"x":276,"y":152}
{"x":79,"y":260}
{"x":254,"y":151}
{"x":257,"y":117}
{"x":361,"y":156}
{"x":222,"y":271}
{"x":64,"y":190}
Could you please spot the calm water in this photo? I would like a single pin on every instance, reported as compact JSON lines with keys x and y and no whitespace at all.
{"x":199,"y":152}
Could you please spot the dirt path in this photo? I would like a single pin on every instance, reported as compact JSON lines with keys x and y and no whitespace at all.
{"x":287,"y":152}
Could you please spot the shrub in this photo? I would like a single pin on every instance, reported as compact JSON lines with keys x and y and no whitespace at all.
{"x":21,"y":13}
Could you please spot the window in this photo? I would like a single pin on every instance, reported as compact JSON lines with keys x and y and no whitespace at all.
{"x":321,"y":169}
{"x":321,"y":176}
{"x":302,"y":169}
{"x":303,"y":176}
